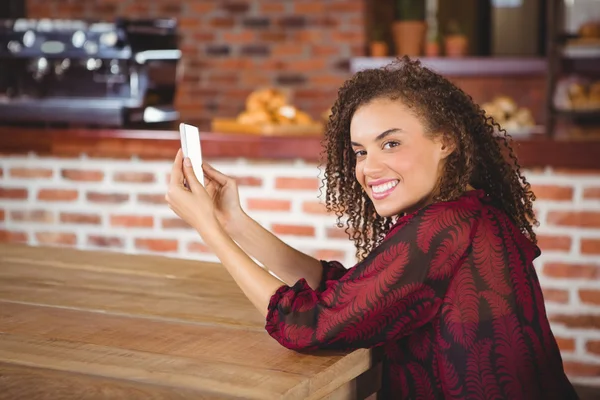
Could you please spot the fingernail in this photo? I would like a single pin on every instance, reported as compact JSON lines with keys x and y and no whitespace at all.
{"x":187,"y":162}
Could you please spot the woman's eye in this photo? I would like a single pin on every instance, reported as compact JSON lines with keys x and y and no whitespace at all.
{"x":389,"y":145}
{"x":359,"y":153}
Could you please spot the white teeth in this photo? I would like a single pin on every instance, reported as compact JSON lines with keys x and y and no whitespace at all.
{"x":384,"y":187}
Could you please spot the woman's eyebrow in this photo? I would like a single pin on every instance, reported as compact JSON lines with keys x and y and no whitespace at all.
{"x":381,"y":135}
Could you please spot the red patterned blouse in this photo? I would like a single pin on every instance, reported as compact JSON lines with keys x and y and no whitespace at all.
{"x":451,"y":297}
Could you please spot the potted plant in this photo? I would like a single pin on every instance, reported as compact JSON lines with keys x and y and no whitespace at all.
{"x":409,"y":27}
{"x":378,"y":47}
{"x":432,"y":45}
{"x":456,"y":43}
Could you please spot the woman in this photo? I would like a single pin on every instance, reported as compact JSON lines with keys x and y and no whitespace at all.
{"x":442,"y":221}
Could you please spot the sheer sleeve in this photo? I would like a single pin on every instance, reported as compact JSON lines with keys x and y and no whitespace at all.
{"x":332,"y":271}
{"x":398,"y":288}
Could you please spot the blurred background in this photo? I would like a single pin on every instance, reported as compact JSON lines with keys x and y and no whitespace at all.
{"x":92,"y":91}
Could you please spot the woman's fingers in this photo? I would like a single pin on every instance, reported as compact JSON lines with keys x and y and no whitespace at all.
{"x":177,"y":177}
{"x":212,"y":173}
{"x":190,"y":176}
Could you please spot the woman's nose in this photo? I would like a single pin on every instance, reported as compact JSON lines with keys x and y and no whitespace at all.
{"x":372,"y":166}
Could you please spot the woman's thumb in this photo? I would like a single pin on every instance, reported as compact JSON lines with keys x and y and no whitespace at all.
{"x":219,"y":177}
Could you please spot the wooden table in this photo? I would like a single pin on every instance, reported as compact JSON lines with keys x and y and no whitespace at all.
{"x":92,"y":325}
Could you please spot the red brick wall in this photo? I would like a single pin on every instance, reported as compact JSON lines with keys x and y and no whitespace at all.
{"x":233,"y":47}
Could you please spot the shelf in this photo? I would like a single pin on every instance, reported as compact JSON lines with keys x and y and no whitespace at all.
{"x":464,"y":66}
{"x":581,"y":51}
{"x":579,"y":115}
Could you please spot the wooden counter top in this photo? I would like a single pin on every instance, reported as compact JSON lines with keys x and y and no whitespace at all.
{"x":82,"y":325}
{"x":536,"y":151}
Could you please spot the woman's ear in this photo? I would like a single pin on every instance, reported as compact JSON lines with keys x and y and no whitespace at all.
{"x":448,"y":145}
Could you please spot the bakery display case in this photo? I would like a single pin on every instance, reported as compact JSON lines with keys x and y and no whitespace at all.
{"x":269,"y":111}
{"x":573,"y":101}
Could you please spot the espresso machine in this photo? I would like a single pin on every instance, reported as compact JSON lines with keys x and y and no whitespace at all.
{"x":91,"y":73}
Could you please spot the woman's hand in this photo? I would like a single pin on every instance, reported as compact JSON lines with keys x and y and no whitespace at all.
{"x":191,"y":203}
{"x":223,"y":191}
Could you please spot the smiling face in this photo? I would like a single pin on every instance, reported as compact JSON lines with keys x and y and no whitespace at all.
{"x":397,"y":165}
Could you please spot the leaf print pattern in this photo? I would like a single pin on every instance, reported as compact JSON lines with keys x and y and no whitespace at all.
{"x":452,"y":298}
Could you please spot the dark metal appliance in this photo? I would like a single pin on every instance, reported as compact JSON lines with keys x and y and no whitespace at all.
{"x":88,"y":72}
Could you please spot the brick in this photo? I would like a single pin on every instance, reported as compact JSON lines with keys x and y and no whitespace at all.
{"x":348,"y":6}
{"x":327,"y":80}
{"x":56,"y":238}
{"x":554,"y":243}
{"x":307,"y":36}
{"x":221,"y":78}
{"x":7,"y":236}
{"x":175,"y":223}
{"x":574,"y":271}
{"x":295,"y":230}
{"x":151,"y":198}
{"x":285,"y":50}
{"x":80,"y":175}
{"x":13,"y":193}
{"x":79,"y":218}
{"x":297,"y":183}
{"x":309,"y":65}
{"x":314,"y":207}
{"x":271,"y":8}
{"x":57,"y":195}
{"x":553,"y":192}
{"x":256,"y":50}
{"x":38,"y":216}
{"x":556,"y":295}
{"x":169,"y":9}
{"x":291,"y":79}
{"x":589,"y":296}
{"x":105,"y":241}
{"x":324,"y":50}
{"x":252,"y":79}
{"x":292,"y":21}
{"x":268,"y":205}
{"x":582,"y":321}
{"x":342,"y":65}
{"x":591,"y":193}
{"x":248,"y":181}
{"x":565,"y":344}
{"x":132,"y":221}
{"x":239,"y":37}
{"x":236,"y":7}
{"x":201,"y":7}
{"x":272,"y":36}
{"x":31,"y":173}
{"x":2,"y":215}
{"x":580,"y":369}
{"x":590,"y":246}
{"x":197,"y":247}
{"x":326,"y":22}
{"x":257,"y":22}
{"x":583,"y":219}
{"x":221,"y":22}
{"x":110,"y":198}
{"x":218,"y":50}
{"x":593,"y":346}
{"x":134,"y":177}
{"x":309,"y":7}
{"x":158,"y":245}
{"x":340,"y":37}
{"x":336,"y":233}
{"x":204,"y":37}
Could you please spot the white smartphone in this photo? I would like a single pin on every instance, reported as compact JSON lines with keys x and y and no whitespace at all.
{"x":190,"y":145}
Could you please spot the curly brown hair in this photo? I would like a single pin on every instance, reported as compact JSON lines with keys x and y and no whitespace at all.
{"x":483,"y":157}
